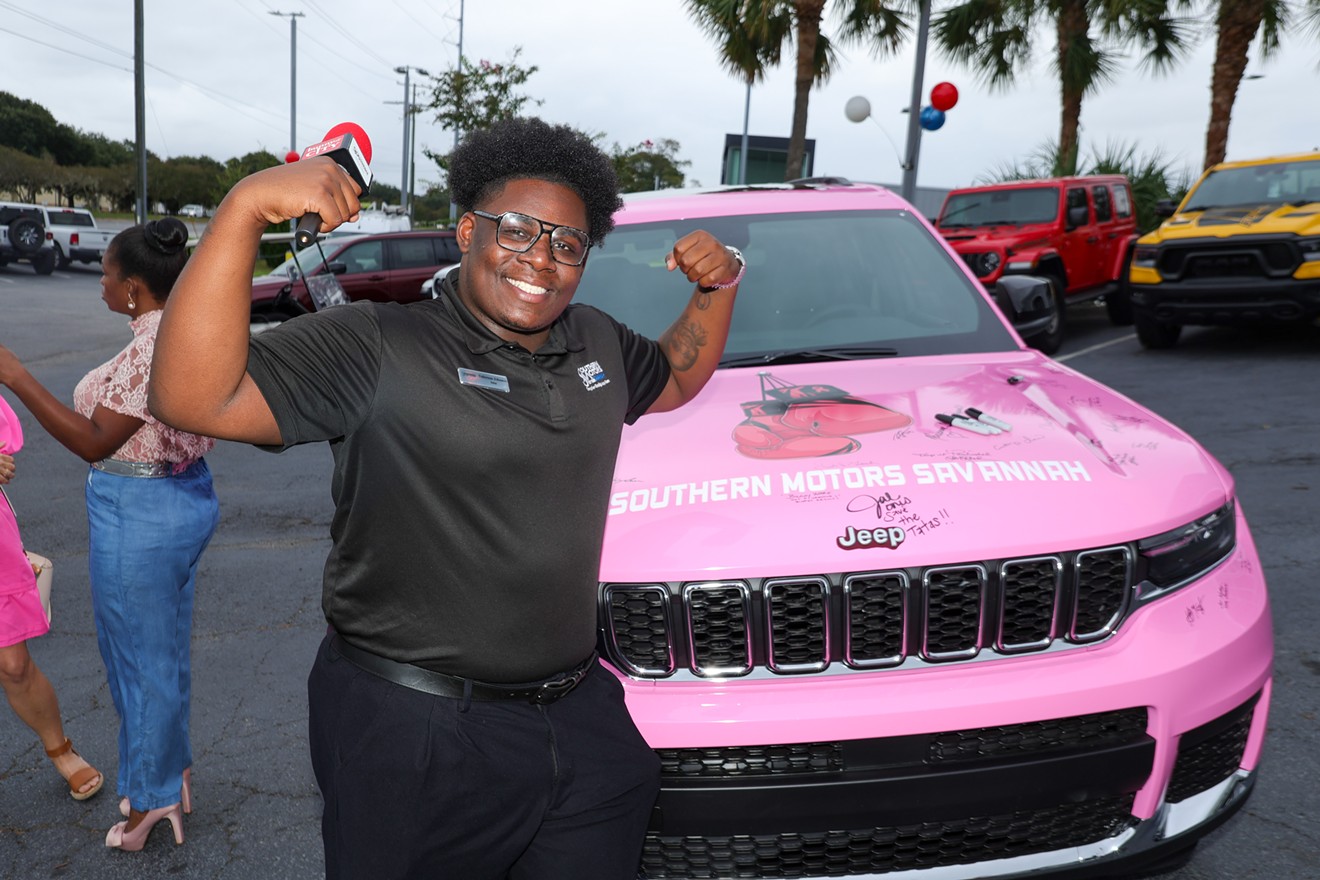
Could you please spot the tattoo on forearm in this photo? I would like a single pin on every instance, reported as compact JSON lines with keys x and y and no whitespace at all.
{"x":685,"y":343}
{"x":702,"y":301}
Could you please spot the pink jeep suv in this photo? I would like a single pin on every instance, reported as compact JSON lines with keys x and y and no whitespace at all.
{"x":899,"y":595}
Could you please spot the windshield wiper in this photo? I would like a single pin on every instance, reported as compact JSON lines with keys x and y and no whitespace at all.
{"x":808,"y":355}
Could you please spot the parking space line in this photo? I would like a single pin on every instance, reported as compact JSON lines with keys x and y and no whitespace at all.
{"x":1097,"y":347}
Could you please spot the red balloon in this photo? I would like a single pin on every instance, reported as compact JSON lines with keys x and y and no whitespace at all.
{"x":291,"y":156}
{"x":943,"y":96}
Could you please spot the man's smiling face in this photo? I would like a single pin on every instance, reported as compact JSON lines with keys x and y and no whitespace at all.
{"x":517,"y":296}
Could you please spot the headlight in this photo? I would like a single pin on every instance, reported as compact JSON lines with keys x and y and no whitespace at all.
{"x":1310,"y":248}
{"x":1145,"y":256}
{"x":988,"y":263}
{"x":1183,"y":554}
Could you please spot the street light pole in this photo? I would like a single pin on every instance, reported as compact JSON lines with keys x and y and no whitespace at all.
{"x":409,"y":135}
{"x":909,"y":188}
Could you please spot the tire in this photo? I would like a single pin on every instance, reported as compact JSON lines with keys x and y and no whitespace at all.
{"x":61,"y":261}
{"x":1119,"y":303}
{"x":44,"y":262}
{"x":1155,"y":334}
{"x":26,"y":235}
{"x":1050,"y":339}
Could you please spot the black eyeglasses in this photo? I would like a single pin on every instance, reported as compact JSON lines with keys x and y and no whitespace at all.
{"x":519,"y":232}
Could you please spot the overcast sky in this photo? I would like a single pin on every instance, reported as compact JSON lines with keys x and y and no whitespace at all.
{"x":217,"y":84}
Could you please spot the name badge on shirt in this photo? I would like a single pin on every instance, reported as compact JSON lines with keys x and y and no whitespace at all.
{"x":492,"y":381}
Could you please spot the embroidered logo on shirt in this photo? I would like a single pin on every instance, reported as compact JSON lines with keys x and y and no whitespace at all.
{"x":593,"y":376}
{"x":493,"y":381}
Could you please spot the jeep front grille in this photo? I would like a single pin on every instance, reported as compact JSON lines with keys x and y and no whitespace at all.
{"x":871,"y":620}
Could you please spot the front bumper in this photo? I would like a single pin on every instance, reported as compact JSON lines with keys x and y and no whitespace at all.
{"x":1228,"y":301}
{"x":1088,"y":762}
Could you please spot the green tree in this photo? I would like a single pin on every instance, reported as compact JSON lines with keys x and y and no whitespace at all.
{"x":649,"y":165}
{"x":471,"y":96}
{"x":752,"y":33}
{"x":993,"y":38}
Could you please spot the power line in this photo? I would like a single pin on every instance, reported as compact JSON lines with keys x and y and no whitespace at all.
{"x":62,"y":49}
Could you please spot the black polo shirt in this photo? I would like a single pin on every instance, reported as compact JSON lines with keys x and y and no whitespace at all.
{"x":471,"y":477}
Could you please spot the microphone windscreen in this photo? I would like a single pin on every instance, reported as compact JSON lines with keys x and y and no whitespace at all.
{"x":359,"y":136}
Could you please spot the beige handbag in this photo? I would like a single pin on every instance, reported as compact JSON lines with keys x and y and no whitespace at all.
{"x":42,"y":567}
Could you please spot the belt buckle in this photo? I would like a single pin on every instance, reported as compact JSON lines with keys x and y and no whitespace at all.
{"x":553,"y":690}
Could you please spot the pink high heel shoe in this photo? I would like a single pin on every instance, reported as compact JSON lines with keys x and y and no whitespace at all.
{"x":186,"y":795}
{"x":119,"y":837}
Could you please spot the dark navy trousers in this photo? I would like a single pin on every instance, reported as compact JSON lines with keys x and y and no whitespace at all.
{"x":419,"y":786}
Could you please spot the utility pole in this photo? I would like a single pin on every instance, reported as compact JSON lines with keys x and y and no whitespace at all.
{"x":293,"y":84}
{"x":293,"y":75}
{"x":453,"y":206}
{"x":139,"y":102}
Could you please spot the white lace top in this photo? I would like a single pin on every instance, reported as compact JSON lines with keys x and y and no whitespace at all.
{"x":120,"y":384}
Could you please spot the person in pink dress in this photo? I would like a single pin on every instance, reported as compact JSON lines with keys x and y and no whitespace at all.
{"x":22,"y":617}
{"x":151,"y":511}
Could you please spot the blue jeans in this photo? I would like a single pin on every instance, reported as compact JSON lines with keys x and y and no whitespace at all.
{"x":146,"y":536}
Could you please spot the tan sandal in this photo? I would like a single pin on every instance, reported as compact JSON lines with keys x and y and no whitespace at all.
{"x":80,"y":777}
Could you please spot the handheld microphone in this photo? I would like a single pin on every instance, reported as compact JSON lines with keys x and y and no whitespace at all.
{"x":348,"y":145}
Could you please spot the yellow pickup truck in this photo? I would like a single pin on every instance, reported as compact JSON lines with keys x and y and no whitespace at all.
{"x":1244,"y":245}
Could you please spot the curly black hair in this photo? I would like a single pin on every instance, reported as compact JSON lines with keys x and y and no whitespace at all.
{"x":155,"y":252}
{"x":529,"y":147}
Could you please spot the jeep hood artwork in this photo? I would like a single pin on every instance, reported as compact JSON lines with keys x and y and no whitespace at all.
{"x":869,"y":464}
{"x":1270,"y":217}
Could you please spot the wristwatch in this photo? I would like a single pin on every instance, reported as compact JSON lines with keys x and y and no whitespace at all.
{"x":742,"y":270}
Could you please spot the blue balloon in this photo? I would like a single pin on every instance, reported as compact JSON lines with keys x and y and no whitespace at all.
{"x":931,"y":118}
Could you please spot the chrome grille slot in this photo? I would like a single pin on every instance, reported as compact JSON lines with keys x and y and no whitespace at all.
{"x":1104,"y":585}
{"x":639,"y":627}
{"x":797,"y":618}
{"x":955,"y":604}
{"x":876,"y":619}
{"x":1028,"y":597}
{"x":718,"y":628}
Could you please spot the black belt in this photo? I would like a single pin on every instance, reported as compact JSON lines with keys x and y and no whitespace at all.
{"x":441,"y":685}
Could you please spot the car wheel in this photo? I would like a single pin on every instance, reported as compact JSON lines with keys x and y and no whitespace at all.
{"x":1156,"y":334}
{"x":61,"y":261}
{"x":1050,"y":339}
{"x":44,"y":262}
{"x":26,"y":235}
{"x":1118,"y":304}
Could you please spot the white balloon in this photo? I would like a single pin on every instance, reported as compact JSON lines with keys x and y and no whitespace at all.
{"x":857,"y":108}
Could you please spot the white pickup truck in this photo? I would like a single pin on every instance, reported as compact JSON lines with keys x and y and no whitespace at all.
{"x":23,"y":237}
{"x":74,"y":235}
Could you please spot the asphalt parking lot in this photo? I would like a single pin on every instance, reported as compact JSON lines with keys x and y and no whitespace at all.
{"x":1248,"y":395}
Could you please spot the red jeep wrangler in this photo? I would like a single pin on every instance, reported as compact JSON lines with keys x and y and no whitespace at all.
{"x":1075,"y":232}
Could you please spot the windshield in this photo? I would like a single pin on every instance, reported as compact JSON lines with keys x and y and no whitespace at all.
{"x":310,"y":260}
{"x":818,"y":282}
{"x":1001,"y":206}
{"x":1295,"y":182}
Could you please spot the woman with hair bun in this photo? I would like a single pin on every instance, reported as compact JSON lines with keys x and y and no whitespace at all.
{"x":151,"y":510}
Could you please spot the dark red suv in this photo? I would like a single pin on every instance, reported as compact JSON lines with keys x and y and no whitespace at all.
{"x":1075,"y":232}
{"x":385,"y":267}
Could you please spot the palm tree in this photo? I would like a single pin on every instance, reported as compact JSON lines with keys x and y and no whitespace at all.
{"x":993,"y":37}
{"x":752,"y":33}
{"x":1237,"y":23}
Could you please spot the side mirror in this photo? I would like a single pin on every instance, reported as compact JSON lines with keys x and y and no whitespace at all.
{"x":1077,"y":216}
{"x":336,"y":268}
{"x":1165,"y":208}
{"x":1025,"y":300}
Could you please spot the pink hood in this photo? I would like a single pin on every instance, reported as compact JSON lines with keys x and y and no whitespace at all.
{"x":847,"y":468}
